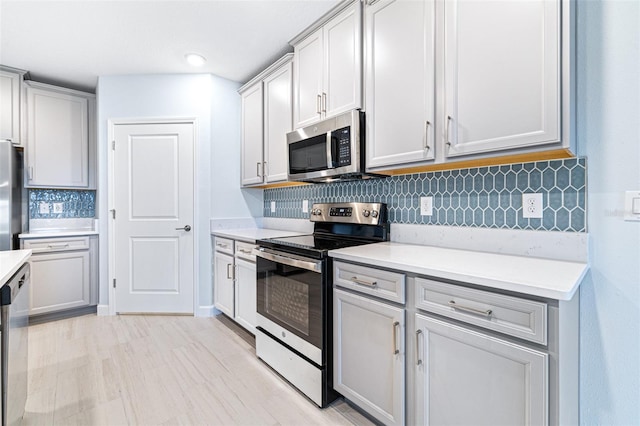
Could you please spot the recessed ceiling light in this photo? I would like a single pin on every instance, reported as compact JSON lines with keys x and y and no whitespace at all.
{"x":195,"y":60}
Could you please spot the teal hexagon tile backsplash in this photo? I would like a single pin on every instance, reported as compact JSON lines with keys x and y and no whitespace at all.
{"x":489,"y":197}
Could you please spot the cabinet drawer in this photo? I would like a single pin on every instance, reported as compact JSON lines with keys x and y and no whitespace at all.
{"x":245,"y":251}
{"x":376,"y":282}
{"x":513,"y":316}
{"x":56,"y":244}
{"x":224,"y":245}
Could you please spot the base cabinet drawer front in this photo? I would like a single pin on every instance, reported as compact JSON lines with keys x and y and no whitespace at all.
{"x":223,"y":289}
{"x":468,"y":378}
{"x":245,"y":251}
{"x":369,"y":356}
{"x":57,"y":244}
{"x":376,"y":282}
{"x":224,"y":245}
{"x":60,"y":281}
{"x":245,"y":295}
{"x":525,"y":319}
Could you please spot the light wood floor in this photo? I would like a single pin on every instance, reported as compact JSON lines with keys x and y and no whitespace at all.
{"x":160,"y":370}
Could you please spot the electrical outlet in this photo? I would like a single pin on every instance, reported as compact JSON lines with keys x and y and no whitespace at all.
{"x":58,"y":207}
{"x":43,"y":208}
{"x":273,"y":207}
{"x":532,"y":206}
{"x":305,"y":206}
{"x":426,"y":206}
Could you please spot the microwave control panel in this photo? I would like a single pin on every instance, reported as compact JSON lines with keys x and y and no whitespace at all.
{"x":343,"y":138}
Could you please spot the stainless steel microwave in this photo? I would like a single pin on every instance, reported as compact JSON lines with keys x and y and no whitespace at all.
{"x":329,"y":150}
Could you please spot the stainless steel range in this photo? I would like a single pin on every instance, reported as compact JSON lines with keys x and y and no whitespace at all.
{"x":294,"y":293}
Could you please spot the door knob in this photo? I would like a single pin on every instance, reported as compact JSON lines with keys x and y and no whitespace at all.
{"x":186,"y":228}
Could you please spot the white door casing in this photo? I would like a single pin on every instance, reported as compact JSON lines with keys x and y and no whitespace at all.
{"x":153,"y":198}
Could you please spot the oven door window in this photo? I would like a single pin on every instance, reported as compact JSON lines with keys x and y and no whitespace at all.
{"x":292,"y":298}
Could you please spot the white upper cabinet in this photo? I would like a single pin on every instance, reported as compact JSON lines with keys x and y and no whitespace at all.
{"x":328,"y":68}
{"x":252,"y":165}
{"x":502,"y":75}
{"x":277,"y":122}
{"x":399,"y":80}
{"x":58,"y":136}
{"x":266,"y":120}
{"x":10,"y":92}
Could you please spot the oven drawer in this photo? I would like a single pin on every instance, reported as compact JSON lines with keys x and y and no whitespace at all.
{"x":522,"y":318}
{"x":245,"y":251}
{"x":376,"y":282}
{"x":224,"y":245}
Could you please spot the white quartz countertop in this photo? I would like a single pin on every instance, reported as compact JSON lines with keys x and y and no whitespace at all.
{"x":10,"y":262}
{"x":551,"y":279}
{"x":55,"y":234}
{"x":251,"y":235}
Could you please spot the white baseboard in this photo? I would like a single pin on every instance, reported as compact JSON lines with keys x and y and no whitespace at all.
{"x":103,"y":310}
{"x":205,"y":311}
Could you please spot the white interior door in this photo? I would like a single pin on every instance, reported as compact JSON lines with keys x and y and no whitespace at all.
{"x":153,"y":200}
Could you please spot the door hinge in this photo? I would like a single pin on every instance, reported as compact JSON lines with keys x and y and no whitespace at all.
{"x":114,"y":283}
{"x":113,"y":145}
{"x":113,"y":213}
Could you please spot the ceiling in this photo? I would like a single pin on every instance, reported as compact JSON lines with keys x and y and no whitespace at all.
{"x":71,"y":43}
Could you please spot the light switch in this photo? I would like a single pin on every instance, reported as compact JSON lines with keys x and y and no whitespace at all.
{"x":632,"y":206}
{"x":58,"y":207}
{"x":273,"y":207}
{"x":305,"y":206}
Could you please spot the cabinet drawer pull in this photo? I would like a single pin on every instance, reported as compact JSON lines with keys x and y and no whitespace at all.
{"x":454,"y":305}
{"x":244,"y":251}
{"x":57,"y":246}
{"x":363,"y":282}
{"x":396,"y":325}
{"x":222,"y":245}
{"x":419,"y":361}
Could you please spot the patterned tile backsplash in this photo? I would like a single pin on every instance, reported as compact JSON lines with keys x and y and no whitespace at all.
{"x":489,"y":197}
{"x":61,"y":203}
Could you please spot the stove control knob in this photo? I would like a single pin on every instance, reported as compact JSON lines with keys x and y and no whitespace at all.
{"x":366,"y":213}
{"x":317,"y":212}
{"x":374,"y":213}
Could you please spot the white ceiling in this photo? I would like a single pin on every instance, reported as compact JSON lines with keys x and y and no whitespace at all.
{"x":73,"y":42}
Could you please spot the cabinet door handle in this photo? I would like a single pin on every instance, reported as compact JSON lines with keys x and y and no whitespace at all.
{"x":230,"y":272}
{"x":446,"y":136}
{"x":318,"y":104}
{"x":30,"y":173}
{"x":426,"y":136}
{"x":363,"y":282}
{"x":264,"y":168}
{"x":324,"y":102}
{"x":454,"y":305}
{"x":419,"y":361}
{"x":396,"y":325}
{"x":258,"y":168}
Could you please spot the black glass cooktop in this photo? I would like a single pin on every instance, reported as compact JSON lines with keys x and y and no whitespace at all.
{"x":304,"y":244}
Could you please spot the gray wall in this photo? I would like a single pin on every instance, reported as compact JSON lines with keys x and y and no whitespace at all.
{"x":608,"y":77}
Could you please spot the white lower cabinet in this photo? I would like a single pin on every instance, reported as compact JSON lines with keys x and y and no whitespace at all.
{"x":223,"y":290}
{"x":369,"y":355}
{"x":464,"y":377}
{"x":63,"y":273}
{"x":245,"y":294}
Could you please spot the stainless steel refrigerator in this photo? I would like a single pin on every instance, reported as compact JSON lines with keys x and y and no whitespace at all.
{"x":12,"y":196}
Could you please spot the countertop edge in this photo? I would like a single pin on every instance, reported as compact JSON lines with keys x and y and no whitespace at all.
{"x":56,"y":234}
{"x":18,"y":258}
{"x":251,"y":235}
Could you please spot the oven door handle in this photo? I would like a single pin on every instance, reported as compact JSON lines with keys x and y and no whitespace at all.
{"x":309,"y":265}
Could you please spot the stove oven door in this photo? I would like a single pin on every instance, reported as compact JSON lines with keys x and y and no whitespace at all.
{"x":290,"y":301}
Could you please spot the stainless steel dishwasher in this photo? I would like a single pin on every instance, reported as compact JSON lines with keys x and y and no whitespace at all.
{"x":14,"y":311}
